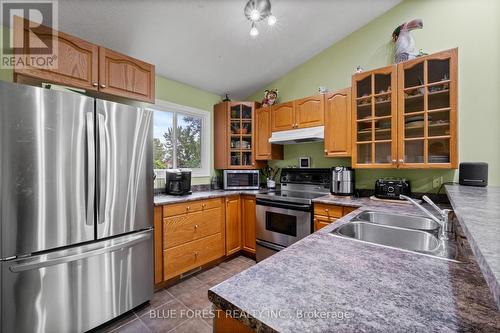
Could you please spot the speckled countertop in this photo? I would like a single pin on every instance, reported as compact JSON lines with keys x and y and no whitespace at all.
{"x":163,"y":199}
{"x":478,"y":211}
{"x":325,"y":283}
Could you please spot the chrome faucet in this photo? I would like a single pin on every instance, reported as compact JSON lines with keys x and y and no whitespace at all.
{"x":444,"y":214}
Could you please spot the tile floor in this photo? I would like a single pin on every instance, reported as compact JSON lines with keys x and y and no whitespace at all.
{"x":183,"y":307}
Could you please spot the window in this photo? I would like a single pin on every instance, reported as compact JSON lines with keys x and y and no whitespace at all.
{"x":181,"y":138}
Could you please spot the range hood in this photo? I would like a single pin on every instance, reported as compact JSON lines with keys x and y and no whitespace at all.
{"x":302,"y":135}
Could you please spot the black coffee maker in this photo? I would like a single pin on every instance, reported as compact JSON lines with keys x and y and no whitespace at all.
{"x":178,"y":182}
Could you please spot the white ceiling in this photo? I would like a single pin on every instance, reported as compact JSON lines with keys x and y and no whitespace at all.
{"x":206,"y":44}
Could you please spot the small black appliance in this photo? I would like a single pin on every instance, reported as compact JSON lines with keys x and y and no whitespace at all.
{"x":391,"y":188}
{"x":473,"y":174}
{"x":178,"y":182}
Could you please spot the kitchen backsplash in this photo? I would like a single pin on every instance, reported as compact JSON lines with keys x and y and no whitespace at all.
{"x":421,"y":180}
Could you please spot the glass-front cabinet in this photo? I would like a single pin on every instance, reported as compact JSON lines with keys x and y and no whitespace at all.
{"x":375,"y":118}
{"x":427,"y":103}
{"x":234,"y":137}
{"x":241,"y":135}
{"x":405,"y":115}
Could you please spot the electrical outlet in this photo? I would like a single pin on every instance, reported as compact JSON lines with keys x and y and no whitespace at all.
{"x":437,"y":181}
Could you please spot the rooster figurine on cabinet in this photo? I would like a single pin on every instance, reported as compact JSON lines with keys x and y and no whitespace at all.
{"x":405,"y":44}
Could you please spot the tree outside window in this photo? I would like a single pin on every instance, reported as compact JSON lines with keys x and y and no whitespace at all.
{"x":177,"y":141}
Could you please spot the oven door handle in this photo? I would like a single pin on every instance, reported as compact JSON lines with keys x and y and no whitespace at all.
{"x":270,"y":203}
{"x":269,"y":246}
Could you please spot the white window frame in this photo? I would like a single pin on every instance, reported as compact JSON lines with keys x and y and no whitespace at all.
{"x":206,"y":132}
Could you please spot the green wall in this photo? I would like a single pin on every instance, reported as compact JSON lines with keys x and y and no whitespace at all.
{"x":472,"y":26}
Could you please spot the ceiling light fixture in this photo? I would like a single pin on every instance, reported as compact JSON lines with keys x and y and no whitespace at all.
{"x":258,"y":10}
{"x":254,"y":32}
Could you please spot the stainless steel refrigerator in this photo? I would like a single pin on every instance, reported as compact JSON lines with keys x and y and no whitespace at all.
{"x":76,"y":209}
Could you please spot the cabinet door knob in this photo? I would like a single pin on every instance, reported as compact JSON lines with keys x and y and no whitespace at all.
{"x":394,"y":161}
{"x":326,"y":151}
{"x":196,"y":226}
{"x":401,"y":161}
{"x":188,"y":208}
{"x":326,"y":209}
{"x":103,"y":86}
{"x":95,"y":84}
{"x":203,"y":205}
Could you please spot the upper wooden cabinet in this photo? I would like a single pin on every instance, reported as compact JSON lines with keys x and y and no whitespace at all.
{"x":234,"y":135}
{"x":338,"y":123}
{"x":125,"y":76}
{"x":233,"y":225}
{"x":405,"y":115}
{"x":76,"y":62}
{"x":282,"y":117}
{"x":309,"y":111}
{"x":84,"y":65}
{"x":374,"y":118}
{"x":427,"y":111}
{"x":301,"y":113}
{"x":263,"y":149}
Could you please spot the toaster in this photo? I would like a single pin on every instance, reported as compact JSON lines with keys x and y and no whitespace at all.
{"x":391,"y":188}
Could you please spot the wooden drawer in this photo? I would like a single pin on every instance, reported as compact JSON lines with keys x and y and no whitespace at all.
{"x":347,"y":210}
{"x":321,"y":221}
{"x":328,"y":210}
{"x":191,"y":206}
{"x":185,"y":228}
{"x":183,"y":258}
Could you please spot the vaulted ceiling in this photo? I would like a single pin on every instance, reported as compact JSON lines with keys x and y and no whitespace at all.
{"x":206,"y":44}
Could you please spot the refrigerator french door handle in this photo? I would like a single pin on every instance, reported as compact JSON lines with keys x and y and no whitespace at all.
{"x":36,"y":264}
{"x":102,"y":169}
{"x":90,"y":168}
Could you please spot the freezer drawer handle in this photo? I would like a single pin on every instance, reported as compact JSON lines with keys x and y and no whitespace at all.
{"x":61,"y":260}
{"x":90,"y":168}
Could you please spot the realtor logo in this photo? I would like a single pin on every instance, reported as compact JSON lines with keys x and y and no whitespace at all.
{"x":29,"y":34}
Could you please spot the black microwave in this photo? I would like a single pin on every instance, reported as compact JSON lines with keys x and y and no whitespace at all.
{"x":241,"y":179}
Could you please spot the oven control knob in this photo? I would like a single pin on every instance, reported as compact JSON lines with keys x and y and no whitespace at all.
{"x":390,"y":189}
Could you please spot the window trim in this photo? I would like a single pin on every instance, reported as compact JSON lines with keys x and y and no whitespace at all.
{"x":206,"y":131}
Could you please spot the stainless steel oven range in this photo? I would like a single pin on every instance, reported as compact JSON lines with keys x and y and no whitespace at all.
{"x":285,"y":216}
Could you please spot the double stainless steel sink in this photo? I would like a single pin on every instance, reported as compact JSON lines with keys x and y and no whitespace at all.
{"x":406,"y":232}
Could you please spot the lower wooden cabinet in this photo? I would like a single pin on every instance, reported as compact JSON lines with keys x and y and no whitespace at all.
{"x":233,"y":225}
{"x":185,"y":228}
{"x":321,"y":222}
{"x":158,"y":246}
{"x":223,"y":323}
{"x":188,"y":235}
{"x":248,"y":223}
{"x":324,"y":214}
{"x":182,"y":258}
{"x":191,"y":234}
